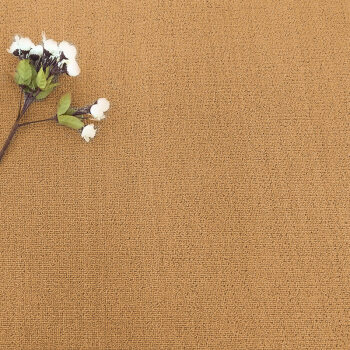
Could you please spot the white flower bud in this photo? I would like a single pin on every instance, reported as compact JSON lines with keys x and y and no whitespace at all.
{"x":73,"y":68}
{"x":68,"y":50}
{"x":88,"y":132}
{"x":25,"y":44}
{"x":36,"y":50}
{"x":103,"y":103}
{"x":51,"y":46}
{"x":97,"y":112}
{"x":14,"y":46}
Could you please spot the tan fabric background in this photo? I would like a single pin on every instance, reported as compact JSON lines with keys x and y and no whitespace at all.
{"x":212,"y":209}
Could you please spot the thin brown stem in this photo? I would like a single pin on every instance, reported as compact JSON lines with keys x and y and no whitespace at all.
{"x":46,"y":120}
{"x":37,"y":121}
{"x":27,"y":102}
{"x":83,"y":110}
{"x":20,"y":104}
{"x":8,"y":140}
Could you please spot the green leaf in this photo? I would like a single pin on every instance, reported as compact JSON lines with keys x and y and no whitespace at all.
{"x":70,"y":111}
{"x":70,"y":121}
{"x":24,"y":70}
{"x":18,"y":79}
{"x":33,"y":84}
{"x":64,"y":104}
{"x":50,"y":80}
{"x":53,"y":85}
{"x":40,"y":79}
{"x":47,"y":72}
{"x":34,"y":72}
{"x":43,"y":94}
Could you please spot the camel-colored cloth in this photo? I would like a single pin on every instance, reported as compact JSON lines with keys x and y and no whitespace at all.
{"x":212,"y":209}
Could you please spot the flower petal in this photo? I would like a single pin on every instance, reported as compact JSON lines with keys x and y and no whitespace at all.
{"x":25,"y":44}
{"x":73,"y":68}
{"x":97,"y":112}
{"x":68,"y":50}
{"x":51,"y":46}
{"x":104,"y":104}
{"x":13,"y":47}
{"x":37,"y":50}
{"x":88,"y":132}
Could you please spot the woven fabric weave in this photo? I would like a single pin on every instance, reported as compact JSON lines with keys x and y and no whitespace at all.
{"x":211,"y":211}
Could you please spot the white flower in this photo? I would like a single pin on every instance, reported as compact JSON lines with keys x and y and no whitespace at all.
{"x":50,"y":45}
{"x":88,"y":132}
{"x":103,"y":103}
{"x":22,"y":44}
{"x":36,"y":50}
{"x":73,"y":68}
{"x":14,"y":46}
{"x":68,"y":50}
{"x":25,"y":44}
{"x":97,"y":112}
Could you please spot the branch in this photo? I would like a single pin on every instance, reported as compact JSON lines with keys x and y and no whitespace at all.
{"x":38,"y":121}
{"x":29,"y":99}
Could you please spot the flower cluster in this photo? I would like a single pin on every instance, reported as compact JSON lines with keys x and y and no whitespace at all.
{"x":37,"y":76}
{"x":60,"y":57}
{"x":73,"y":118}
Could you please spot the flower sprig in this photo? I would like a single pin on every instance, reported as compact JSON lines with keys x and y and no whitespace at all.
{"x":37,"y":75}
